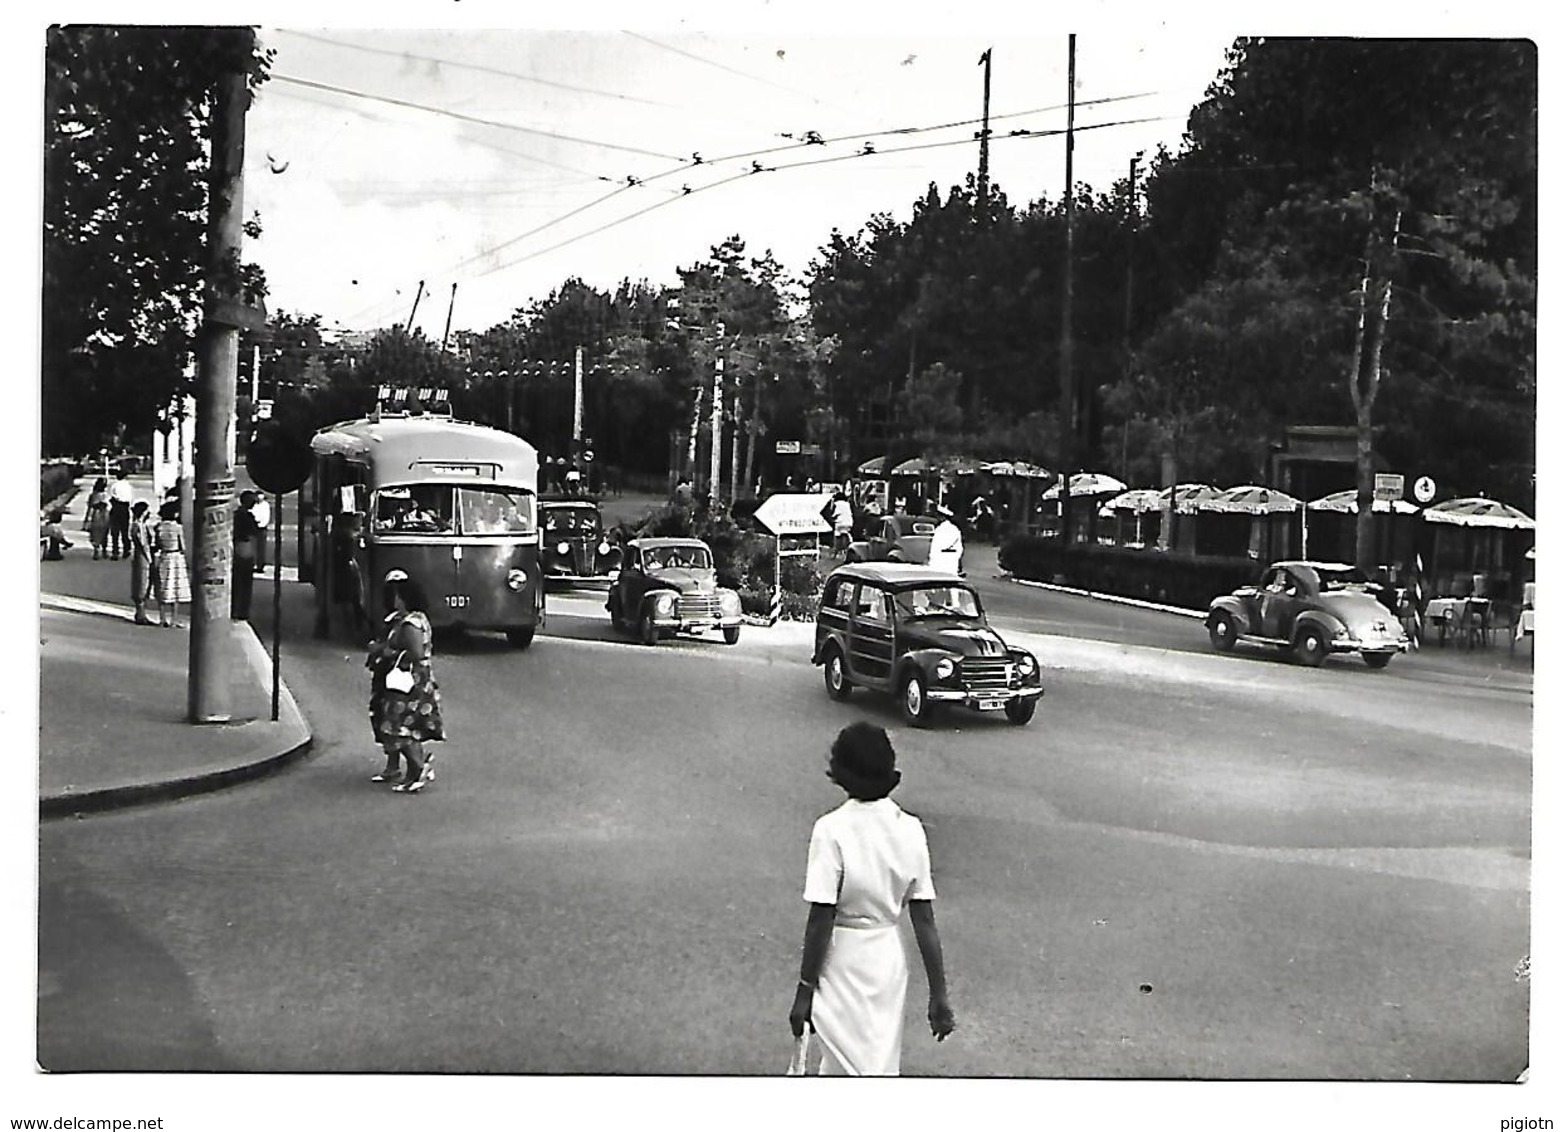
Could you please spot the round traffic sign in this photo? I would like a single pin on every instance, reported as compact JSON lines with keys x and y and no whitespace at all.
{"x":1424,"y":489}
{"x":278,"y":461}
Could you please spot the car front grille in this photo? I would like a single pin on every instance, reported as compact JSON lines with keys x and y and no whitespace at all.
{"x":698,"y":607}
{"x":986,"y":673}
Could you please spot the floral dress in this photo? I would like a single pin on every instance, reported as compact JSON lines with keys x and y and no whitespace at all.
{"x":406,"y":715}
{"x":98,"y":520}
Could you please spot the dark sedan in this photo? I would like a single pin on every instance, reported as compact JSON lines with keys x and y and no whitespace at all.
{"x":573,"y":547}
{"x":920,"y":635}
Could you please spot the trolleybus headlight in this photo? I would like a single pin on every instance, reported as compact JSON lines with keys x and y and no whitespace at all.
{"x":944,"y":669}
{"x":516,"y":580}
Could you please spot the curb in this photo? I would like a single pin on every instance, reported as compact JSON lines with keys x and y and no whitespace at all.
{"x":1115,"y":599}
{"x":296,"y":734}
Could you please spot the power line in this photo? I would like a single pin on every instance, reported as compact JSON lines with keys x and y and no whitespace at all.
{"x":479,"y":68}
{"x":725,"y":67}
{"x":472,"y":119}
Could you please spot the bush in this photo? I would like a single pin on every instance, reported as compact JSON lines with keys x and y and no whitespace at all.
{"x":54,"y":481}
{"x":1187,"y":581}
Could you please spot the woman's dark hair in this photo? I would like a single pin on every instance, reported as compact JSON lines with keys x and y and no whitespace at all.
{"x":412,"y":593}
{"x":169,"y":510}
{"x":139,"y":507}
{"x":862,"y":762}
{"x":101,"y":485}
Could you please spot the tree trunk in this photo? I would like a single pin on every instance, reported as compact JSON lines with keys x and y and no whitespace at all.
{"x":1367,"y":368}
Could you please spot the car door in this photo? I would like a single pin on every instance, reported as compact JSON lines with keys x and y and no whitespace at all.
{"x":1278,"y":604}
{"x":873,"y":636}
{"x":631,"y":583}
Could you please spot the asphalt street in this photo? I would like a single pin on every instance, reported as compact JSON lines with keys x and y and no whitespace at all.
{"x":1188,"y":865}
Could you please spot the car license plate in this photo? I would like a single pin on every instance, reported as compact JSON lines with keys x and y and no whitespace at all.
{"x":989,"y":704}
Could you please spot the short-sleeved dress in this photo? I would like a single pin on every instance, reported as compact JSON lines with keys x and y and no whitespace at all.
{"x":868,"y":859}
{"x":408,"y":715}
{"x":173,"y":574}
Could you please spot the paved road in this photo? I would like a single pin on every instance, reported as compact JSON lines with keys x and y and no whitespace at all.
{"x":1188,"y":865}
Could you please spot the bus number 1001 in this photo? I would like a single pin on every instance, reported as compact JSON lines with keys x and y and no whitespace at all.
{"x":457,"y":601}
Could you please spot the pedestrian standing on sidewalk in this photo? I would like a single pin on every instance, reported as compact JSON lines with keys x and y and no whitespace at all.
{"x":173,"y":574}
{"x":142,"y":545}
{"x":120,"y":498}
{"x":406,"y":717}
{"x":96,"y":520}
{"x":247,"y":536}
{"x":868,"y":859}
{"x":261,"y":509}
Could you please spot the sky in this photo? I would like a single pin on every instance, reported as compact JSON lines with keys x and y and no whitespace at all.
{"x":503,"y":161}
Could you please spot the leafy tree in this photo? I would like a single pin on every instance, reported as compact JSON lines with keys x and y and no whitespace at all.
{"x":125,"y":175}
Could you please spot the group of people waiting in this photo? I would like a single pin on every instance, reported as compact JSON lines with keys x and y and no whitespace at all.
{"x":120,"y":526}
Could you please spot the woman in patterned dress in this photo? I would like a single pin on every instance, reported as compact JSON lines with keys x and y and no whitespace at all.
{"x":96,"y":521}
{"x":868,"y":858}
{"x":173,"y":575}
{"x":405,"y":720}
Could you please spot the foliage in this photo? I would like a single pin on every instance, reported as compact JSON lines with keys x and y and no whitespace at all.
{"x":125,"y":186}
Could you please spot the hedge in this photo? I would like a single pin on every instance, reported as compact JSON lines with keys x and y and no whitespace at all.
{"x":54,"y":481}
{"x":1179,"y":580}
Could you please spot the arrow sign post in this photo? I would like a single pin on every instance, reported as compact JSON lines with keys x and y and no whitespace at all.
{"x":789,"y":516}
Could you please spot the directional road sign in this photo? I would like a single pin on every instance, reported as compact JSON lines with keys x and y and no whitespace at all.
{"x":792,"y":514}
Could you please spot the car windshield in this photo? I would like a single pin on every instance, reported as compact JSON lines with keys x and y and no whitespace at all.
{"x":678,"y":557}
{"x":938,"y":601}
{"x":571,"y":521}
{"x":1341,"y":578}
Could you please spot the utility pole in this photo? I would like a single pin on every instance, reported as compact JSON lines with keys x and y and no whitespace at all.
{"x":716,"y":418}
{"x":1128,"y":300}
{"x":982,"y":151}
{"x":415,"y":300}
{"x":575,"y":432}
{"x":1069,"y":426}
{"x":217,"y":348}
{"x":450,"y":310}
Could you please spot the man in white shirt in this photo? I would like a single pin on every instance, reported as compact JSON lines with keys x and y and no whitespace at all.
{"x":947,"y":548}
{"x":120,"y":498}
{"x":262,"y":512}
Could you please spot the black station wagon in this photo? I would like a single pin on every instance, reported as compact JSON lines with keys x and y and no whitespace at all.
{"x":920,"y":635}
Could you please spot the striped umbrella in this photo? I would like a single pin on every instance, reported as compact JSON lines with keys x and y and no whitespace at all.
{"x":1251,"y":499}
{"x":1188,"y":497}
{"x":1088,"y":483}
{"x":1345,"y":503}
{"x":1477,"y":512}
{"x":874,"y":467}
{"x":1135,"y":502}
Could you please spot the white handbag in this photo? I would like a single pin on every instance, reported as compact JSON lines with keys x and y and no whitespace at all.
{"x":399,"y":679}
{"x":798,"y":1066}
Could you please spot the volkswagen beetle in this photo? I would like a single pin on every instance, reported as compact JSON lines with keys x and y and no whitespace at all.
{"x":1311,"y":608}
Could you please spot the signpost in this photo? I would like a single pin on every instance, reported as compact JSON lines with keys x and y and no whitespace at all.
{"x":1424,"y":489}
{"x":1388,"y":487}
{"x":792,"y":518}
{"x":278,"y":462}
{"x":788,"y":447}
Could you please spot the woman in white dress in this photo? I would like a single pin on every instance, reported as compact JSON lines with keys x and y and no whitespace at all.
{"x":867,"y":859}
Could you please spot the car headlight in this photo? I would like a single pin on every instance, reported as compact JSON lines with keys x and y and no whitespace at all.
{"x":1026,"y":665}
{"x":516,"y":580}
{"x":730,"y":602}
{"x":562,"y":548}
{"x":944,"y":669}
{"x":663,"y":605}
{"x":604,"y":546}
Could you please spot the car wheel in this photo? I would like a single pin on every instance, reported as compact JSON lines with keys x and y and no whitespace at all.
{"x":1311,"y":647}
{"x":836,"y":682}
{"x":521,"y":638}
{"x":1223,"y":634}
{"x":1376,"y":659}
{"x":914,"y":700}
{"x":647,"y":632}
{"x":1021,"y":711}
{"x":730,"y":634}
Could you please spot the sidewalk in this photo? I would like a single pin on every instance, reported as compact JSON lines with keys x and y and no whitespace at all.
{"x":114,"y":695}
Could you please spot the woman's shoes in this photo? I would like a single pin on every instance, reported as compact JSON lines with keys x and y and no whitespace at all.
{"x":387,"y":775}
{"x":412,"y":787}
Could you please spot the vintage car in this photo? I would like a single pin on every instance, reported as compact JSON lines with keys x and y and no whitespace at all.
{"x":895,"y":538}
{"x":920,"y":635}
{"x":574,"y":547}
{"x":1312,"y":608}
{"x":667,"y":586}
